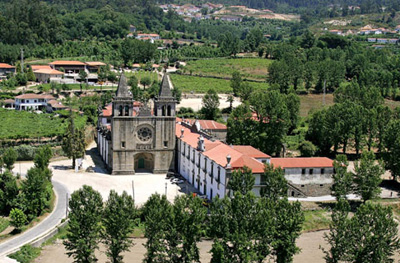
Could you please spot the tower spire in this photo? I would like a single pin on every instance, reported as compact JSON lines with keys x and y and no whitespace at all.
{"x":123,"y":91}
{"x":165,"y":90}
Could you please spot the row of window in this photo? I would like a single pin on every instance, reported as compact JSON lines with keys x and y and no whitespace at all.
{"x":187,"y":154}
{"x":311,"y":171}
{"x":32,"y":101}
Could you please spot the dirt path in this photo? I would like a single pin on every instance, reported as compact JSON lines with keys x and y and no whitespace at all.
{"x":308,"y":242}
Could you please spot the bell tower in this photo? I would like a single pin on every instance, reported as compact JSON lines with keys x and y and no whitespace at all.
{"x":164,"y":113}
{"x":122,"y":101}
{"x":165,"y":103}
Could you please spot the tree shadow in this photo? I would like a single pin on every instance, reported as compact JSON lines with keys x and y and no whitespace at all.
{"x":354,"y":204}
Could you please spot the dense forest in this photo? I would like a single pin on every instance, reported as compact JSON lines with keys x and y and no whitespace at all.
{"x":298,"y":6}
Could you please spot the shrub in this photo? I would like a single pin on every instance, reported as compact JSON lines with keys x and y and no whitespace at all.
{"x":26,"y":254}
{"x":18,"y":218}
{"x":307,"y":149}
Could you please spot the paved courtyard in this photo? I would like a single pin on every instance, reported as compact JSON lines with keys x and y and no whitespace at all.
{"x":143,"y":185}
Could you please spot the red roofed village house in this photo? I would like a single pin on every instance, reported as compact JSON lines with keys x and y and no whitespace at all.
{"x":133,"y":138}
{"x":6,"y":69}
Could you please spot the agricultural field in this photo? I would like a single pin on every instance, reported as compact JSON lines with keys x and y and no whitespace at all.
{"x":141,"y":74}
{"x":250,"y":68}
{"x":202,"y":85}
{"x":23,"y":124}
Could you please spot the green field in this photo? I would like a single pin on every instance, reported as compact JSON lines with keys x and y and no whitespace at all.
{"x":316,"y":220}
{"x":23,"y":124}
{"x":251,"y":68}
{"x":202,"y":85}
{"x":141,"y":74}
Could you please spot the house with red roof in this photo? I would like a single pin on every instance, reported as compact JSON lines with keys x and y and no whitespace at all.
{"x":5,"y":70}
{"x":311,"y":176}
{"x":32,"y":101}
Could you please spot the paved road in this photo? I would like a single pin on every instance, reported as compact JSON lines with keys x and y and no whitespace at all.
{"x":43,"y":227}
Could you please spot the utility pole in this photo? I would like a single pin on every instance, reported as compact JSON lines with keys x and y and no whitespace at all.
{"x":22,"y":60}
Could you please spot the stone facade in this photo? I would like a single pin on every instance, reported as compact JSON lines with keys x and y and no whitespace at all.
{"x":140,"y":140}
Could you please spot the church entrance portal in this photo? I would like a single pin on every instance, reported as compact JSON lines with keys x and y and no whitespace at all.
{"x":144,"y":163}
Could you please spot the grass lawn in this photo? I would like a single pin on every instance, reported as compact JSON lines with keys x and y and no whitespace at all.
{"x":202,"y":85}
{"x":316,"y":220}
{"x":251,"y":68}
{"x":313,"y":102}
{"x":3,"y":223}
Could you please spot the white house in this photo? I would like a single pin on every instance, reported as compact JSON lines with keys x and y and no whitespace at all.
{"x":307,"y":176}
{"x":32,"y":101}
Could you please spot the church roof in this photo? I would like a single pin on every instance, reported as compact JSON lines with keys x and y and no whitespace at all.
{"x":165,"y":90}
{"x":123,"y":90}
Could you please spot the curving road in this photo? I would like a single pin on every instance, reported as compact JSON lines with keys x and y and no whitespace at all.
{"x":43,"y":227}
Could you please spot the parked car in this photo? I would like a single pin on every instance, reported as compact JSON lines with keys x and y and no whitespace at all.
{"x":177,"y":181}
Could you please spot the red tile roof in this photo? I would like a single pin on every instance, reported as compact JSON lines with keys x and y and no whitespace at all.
{"x":5,"y":65}
{"x":107,"y":111}
{"x":37,"y":67}
{"x":95,"y":63}
{"x":208,"y":124}
{"x":217,"y":151}
{"x":34,"y":96}
{"x":67,"y":63}
{"x":49,"y":72}
{"x":250,"y":151}
{"x":309,"y":162}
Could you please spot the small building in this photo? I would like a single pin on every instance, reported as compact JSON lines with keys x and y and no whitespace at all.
{"x":150,"y":37}
{"x":231,"y":18}
{"x":336,"y":32}
{"x":371,"y":40}
{"x":45,"y":75}
{"x":69,"y":67}
{"x":132,"y":28}
{"x":5,"y":70}
{"x":53,"y":105}
{"x":307,"y":176}
{"x":94,"y":66}
{"x":32,"y":101}
{"x":9,"y":104}
{"x":382,"y":40}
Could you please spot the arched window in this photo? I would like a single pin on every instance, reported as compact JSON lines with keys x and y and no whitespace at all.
{"x":126,"y":110}
{"x":120,"y":110}
{"x":163,"y":110}
{"x":169,"y":111}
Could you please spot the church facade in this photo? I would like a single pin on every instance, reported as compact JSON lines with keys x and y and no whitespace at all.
{"x":132,"y":137}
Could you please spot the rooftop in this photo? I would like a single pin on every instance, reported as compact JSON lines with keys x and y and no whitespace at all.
{"x":304,"y":162}
{"x":67,"y":62}
{"x":5,"y":65}
{"x":34,"y":96}
{"x":49,"y":71}
{"x":95,"y":63}
{"x":218,"y":151}
{"x":208,"y":124}
{"x":37,"y":67}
